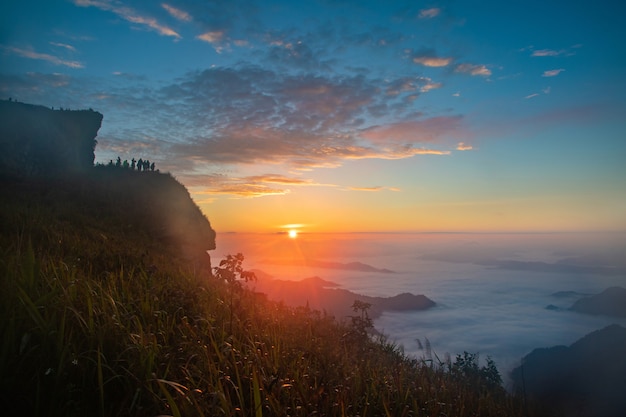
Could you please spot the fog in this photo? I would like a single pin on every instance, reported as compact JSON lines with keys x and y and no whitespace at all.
{"x":491,"y":290}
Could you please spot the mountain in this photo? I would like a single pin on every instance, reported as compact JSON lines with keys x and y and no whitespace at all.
{"x":610,"y":302}
{"x":324,"y":295}
{"x":584,"y":379}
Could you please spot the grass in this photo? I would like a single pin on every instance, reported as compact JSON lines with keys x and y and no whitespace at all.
{"x":102,"y":322}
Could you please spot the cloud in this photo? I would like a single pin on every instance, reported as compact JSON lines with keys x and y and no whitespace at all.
{"x":177,"y":13}
{"x":63,"y":45}
{"x":432,"y":61}
{"x":462,"y":146}
{"x":531,"y":95}
{"x":472,"y":69}
{"x":250,"y":186}
{"x":429,"y":13}
{"x":552,"y":73}
{"x":431,"y":130}
{"x":212,"y":37}
{"x":27,"y":53}
{"x":410,"y":85}
{"x":553,"y":52}
{"x":130,"y":15}
{"x":373,"y":189}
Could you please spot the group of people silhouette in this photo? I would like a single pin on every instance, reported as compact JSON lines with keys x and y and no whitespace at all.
{"x":139,"y":165}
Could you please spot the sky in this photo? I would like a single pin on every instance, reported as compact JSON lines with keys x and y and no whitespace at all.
{"x":347,"y":116}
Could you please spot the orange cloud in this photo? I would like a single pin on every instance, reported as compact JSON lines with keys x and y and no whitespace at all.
{"x":129,"y":15}
{"x":463,"y":147}
{"x":211,"y":37}
{"x":43,"y":57}
{"x":177,"y":13}
{"x":431,"y":61}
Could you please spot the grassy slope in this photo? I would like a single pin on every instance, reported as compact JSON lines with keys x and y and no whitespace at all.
{"x":101,"y":314}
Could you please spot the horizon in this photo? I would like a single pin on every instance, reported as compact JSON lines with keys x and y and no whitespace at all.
{"x":396,"y":117}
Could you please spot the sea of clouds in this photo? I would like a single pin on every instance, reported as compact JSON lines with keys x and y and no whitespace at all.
{"x":491,"y":290}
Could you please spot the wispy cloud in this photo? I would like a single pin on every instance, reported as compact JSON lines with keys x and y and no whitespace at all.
{"x":429,"y":13}
{"x":432,"y":61}
{"x":552,"y":73}
{"x":548,"y":52}
{"x":213,"y":37}
{"x":64,"y":46}
{"x":130,"y":15}
{"x":27,"y":53}
{"x":553,"y":52}
{"x":252,"y":186}
{"x":473,"y":69}
{"x":177,"y":13}
{"x":374,"y":189}
{"x":431,"y":130}
{"x":462,"y":146}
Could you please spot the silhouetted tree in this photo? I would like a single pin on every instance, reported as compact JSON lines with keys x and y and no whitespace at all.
{"x":152,"y":166}
{"x":119,"y":162}
{"x":140,"y":164}
{"x":133,"y":162}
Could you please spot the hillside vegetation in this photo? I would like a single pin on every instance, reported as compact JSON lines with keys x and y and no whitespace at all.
{"x":109,"y":305}
{"x":104,"y":314}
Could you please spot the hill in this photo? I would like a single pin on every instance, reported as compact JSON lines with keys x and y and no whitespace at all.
{"x":610,"y":302}
{"x":324,"y":295}
{"x":584,"y":379}
{"x":108,"y":307}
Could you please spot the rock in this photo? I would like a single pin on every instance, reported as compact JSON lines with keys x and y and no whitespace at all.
{"x":36,"y":141}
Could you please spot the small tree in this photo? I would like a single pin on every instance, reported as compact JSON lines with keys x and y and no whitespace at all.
{"x":362,"y":323}
{"x":230,"y":271}
{"x":466,"y":367}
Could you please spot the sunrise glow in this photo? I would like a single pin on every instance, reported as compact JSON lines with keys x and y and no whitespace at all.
{"x":293,"y":233}
{"x":409,"y":118}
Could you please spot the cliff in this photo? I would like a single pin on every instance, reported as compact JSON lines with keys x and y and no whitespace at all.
{"x":47,"y":172}
{"x":36,"y":141}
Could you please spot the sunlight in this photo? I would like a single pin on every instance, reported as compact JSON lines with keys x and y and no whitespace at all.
{"x":293,"y":233}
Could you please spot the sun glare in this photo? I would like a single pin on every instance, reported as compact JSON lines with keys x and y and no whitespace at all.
{"x":293,"y":233}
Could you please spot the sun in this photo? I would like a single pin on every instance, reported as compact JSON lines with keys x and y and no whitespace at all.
{"x":293,"y":233}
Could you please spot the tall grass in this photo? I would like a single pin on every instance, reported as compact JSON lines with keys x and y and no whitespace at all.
{"x":90,"y":329}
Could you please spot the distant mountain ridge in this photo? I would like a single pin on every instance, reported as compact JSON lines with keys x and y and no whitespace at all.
{"x":323,"y":295}
{"x":610,"y":302}
{"x":584,"y":379}
{"x":348,"y":266}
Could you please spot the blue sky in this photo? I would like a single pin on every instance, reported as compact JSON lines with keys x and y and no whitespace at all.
{"x":346,"y":115}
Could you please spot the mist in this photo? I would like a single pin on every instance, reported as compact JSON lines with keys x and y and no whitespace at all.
{"x":491,"y":290}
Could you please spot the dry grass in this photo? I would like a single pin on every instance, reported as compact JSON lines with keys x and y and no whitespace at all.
{"x":99,"y":326}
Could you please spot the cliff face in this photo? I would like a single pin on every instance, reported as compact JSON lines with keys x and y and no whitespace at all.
{"x":160,"y":204}
{"x":46,"y":159}
{"x":36,"y":141}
